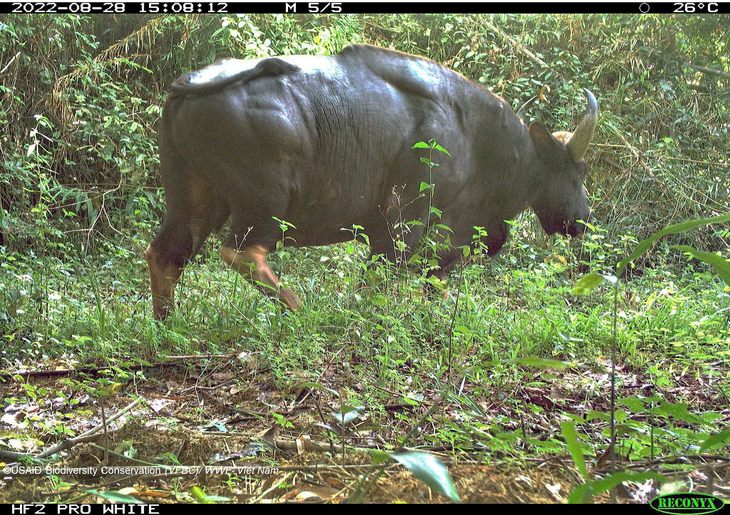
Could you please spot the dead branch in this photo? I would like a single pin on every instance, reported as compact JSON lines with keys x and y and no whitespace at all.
{"x":707,"y":70}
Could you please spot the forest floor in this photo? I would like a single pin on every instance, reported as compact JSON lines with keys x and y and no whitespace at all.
{"x":237,"y":452}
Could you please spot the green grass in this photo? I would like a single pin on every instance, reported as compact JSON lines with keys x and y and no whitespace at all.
{"x":519,"y":304}
{"x":392,"y":341}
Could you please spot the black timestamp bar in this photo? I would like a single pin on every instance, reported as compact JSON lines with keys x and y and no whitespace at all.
{"x":338,"y":7}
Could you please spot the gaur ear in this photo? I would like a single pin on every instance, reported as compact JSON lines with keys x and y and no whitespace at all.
{"x":545,"y":143}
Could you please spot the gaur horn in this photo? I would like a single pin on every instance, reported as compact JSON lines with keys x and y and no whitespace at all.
{"x":522,"y":110}
{"x":580,"y":139}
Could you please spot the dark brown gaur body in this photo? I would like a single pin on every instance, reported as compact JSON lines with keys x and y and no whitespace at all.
{"x":322,"y":141}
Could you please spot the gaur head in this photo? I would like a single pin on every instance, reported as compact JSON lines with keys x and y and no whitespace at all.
{"x":559,"y":199}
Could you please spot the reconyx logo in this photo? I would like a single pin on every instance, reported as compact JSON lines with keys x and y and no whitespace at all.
{"x":695,"y":504}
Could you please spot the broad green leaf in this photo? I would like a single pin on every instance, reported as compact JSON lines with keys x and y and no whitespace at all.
{"x":421,"y":144}
{"x":429,"y":470}
{"x":115,"y":496}
{"x":571,"y":440}
{"x":716,"y":439}
{"x":203,"y":498}
{"x":442,"y":149}
{"x":532,"y":361}
{"x":380,"y":457}
{"x":199,"y":495}
{"x":634,"y":404}
{"x":679,"y":411}
{"x":587,"y":284}
{"x":348,"y":414}
{"x":646,"y":244}
{"x":109,"y":389}
{"x":719,"y":263}
{"x":585,"y":492}
{"x":408,"y":400}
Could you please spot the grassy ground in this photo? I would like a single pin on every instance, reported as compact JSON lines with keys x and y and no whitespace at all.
{"x":670,"y":322}
{"x":492,"y":372}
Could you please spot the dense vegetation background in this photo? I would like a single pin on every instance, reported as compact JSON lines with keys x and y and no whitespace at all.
{"x":80,"y":97}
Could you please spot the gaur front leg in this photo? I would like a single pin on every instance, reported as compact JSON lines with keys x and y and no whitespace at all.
{"x":163,"y":276}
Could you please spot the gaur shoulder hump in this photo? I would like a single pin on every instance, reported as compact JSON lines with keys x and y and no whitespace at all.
{"x":228,"y":71}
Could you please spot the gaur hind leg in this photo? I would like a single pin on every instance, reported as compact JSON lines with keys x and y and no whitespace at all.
{"x":193,"y":212}
{"x":249,"y":260}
